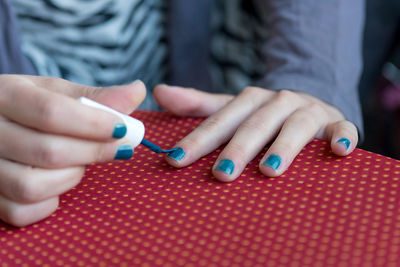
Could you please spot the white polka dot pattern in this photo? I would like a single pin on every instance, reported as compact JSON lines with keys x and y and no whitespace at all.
{"x":324,"y":211}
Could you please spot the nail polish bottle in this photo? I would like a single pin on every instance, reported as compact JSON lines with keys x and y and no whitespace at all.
{"x":135,"y":128}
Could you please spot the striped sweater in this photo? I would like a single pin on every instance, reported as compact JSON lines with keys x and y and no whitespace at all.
{"x":107,"y":42}
{"x":95,"y":42}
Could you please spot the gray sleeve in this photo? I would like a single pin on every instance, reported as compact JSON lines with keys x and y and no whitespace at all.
{"x":12,"y":59}
{"x":314,"y":46}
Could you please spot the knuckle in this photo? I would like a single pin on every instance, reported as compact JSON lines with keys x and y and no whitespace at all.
{"x":253,"y":92}
{"x":306,"y":119}
{"x":196,"y":140}
{"x":211,"y":124}
{"x":52,"y":82}
{"x":19,"y":83}
{"x":99,"y":122}
{"x":315,"y":108}
{"x":12,"y":86}
{"x":48,"y":154}
{"x":48,"y":113}
{"x":89,"y":91}
{"x":25,"y":190}
{"x":286,"y":93}
{"x":254,"y":96}
{"x":310,"y":115}
{"x":284,"y":97}
{"x":316,"y":112}
{"x":257,"y":123}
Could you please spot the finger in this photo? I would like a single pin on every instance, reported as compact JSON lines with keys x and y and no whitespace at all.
{"x":54,"y":84}
{"x":344,"y":137}
{"x":297,"y":131}
{"x":189,"y":102}
{"x":38,"y":149}
{"x":253,"y":135}
{"x":51,"y":112}
{"x":218,"y":128}
{"x":24,"y":184}
{"x":123,"y":98}
{"x":24,"y":214}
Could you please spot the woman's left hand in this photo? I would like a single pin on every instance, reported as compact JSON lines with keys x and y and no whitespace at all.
{"x":250,"y":121}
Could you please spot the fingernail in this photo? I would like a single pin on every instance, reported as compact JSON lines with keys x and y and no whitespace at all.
{"x":274,"y":161}
{"x":177,"y":154}
{"x":119,"y":130}
{"x":344,"y":141}
{"x":124,"y":152}
{"x":226,"y":165}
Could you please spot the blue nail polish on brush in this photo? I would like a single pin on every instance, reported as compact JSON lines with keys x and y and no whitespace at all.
{"x":119,"y":130}
{"x":274,"y":161}
{"x":177,"y":154}
{"x":345,"y":142}
{"x":124,"y":152}
{"x":226,"y":165}
{"x":157,"y":149}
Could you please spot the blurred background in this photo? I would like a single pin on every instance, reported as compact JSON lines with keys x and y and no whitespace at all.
{"x":380,"y":82}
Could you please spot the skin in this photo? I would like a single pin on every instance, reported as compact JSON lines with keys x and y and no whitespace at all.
{"x":50,"y":138}
{"x":48,"y":147}
{"x":248,"y":122}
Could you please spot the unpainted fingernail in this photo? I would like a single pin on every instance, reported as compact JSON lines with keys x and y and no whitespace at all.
{"x":119,"y":130}
{"x":124,"y":152}
{"x":178,"y":154}
{"x":226,"y":165}
{"x":344,"y":141}
{"x":274,"y":161}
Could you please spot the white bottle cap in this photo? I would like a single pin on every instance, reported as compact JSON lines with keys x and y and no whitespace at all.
{"x":135,"y":128}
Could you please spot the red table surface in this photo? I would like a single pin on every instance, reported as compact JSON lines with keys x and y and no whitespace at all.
{"x":324,"y":211}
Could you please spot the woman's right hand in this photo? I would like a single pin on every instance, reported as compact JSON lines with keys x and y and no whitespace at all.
{"x":47,"y":138}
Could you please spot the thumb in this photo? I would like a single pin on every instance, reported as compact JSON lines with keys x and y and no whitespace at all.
{"x":124,"y":98}
{"x":188,"y":101}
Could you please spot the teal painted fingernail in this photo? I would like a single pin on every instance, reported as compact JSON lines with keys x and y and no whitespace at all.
{"x":119,"y":130}
{"x":345,"y":142}
{"x":274,"y":161}
{"x":226,"y":165}
{"x":177,"y":154}
{"x":124,"y":152}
